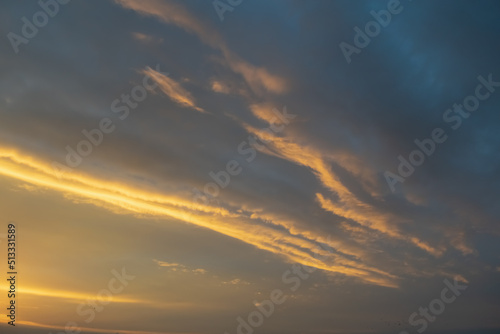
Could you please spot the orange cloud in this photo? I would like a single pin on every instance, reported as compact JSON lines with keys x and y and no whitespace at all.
{"x":240,"y":226}
{"x":86,"y":329}
{"x":348,"y":205}
{"x":259,"y":79}
{"x":179,"y":267}
{"x":172,"y":89}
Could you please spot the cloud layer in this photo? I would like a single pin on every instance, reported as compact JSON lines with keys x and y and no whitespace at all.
{"x":269,"y":94}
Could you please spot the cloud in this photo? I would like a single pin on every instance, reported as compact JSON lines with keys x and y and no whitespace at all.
{"x":144,"y":38}
{"x":72,"y":296}
{"x":220,"y":87}
{"x":236,"y":281}
{"x":316,"y":187}
{"x":34,"y":324}
{"x":179,"y":267}
{"x":258,"y":78}
{"x":126,"y":199}
{"x":349,"y":205}
{"x":266,"y":112}
{"x":172,"y":89}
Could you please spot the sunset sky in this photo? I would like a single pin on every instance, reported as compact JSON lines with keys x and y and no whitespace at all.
{"x":171,"y":166}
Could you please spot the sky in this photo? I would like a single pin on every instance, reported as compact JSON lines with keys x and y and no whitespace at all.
{"x":238,"y":166}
